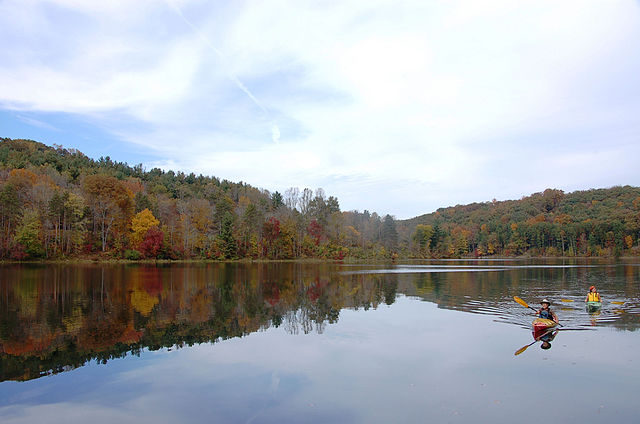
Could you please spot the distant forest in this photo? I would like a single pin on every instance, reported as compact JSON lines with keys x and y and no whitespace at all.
{"x":57,"y":203}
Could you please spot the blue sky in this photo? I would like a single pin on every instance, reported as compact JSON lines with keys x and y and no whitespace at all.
{"x":398,"y":108}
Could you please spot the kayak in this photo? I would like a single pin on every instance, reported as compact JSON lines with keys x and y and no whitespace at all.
{"x":542,"y":324}
{"x":593,"y":306}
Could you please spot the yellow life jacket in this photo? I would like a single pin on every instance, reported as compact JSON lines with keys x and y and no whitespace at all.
{"x":593,"y":297}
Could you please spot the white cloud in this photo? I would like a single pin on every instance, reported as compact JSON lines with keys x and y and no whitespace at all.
{"x":452,"y":98}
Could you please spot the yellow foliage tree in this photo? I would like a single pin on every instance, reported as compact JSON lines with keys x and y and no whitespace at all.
{"x":140,"y":224}
{"x":628,"y":240}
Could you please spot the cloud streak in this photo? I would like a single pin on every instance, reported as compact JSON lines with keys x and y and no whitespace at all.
{"x":274,"y":127}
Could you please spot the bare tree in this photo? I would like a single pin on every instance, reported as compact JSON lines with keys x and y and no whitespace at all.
{"x":291,"y":197}
{"x":305,"y":201}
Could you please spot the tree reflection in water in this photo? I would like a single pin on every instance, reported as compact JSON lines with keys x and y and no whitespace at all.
{"x":59,"y":318}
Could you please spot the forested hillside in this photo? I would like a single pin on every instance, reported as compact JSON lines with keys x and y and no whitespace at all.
{"x":602,"y":222}
{"x":59,"y":203}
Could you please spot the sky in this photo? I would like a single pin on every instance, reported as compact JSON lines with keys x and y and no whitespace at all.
{"x":393,"y":107}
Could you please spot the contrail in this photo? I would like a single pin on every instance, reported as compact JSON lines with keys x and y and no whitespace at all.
{"x":275,"y":130}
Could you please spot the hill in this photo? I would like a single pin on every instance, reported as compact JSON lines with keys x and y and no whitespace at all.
{"x":602,"y":222}
{"x":59,"y":203}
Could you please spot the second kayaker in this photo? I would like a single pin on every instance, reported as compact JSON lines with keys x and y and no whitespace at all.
{"x":593,"y":295}
{"x":546,"y":312}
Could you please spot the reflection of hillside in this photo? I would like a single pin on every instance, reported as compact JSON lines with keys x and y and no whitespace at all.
{"x":57,"y":318}
{"x":60,"y":318}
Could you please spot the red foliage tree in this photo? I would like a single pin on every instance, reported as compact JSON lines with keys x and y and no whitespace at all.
{"x":151,"y":245}
{"x":315,"y":231}
{"x":270,"y":234}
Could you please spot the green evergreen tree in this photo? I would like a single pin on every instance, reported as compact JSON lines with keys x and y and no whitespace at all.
{"x":228,"y":244}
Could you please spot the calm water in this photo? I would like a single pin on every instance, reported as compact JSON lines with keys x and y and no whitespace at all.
{"x":286,"y":342}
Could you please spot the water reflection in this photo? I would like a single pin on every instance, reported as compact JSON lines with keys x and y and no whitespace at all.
{"x":57,"y":318}
{"x":546,"y":337}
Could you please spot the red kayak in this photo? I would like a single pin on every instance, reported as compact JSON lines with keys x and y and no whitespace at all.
{"x":541,"y":325}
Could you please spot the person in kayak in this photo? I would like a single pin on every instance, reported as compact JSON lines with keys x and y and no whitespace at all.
{"x":546,"y":312}
{"x":593,"y":295}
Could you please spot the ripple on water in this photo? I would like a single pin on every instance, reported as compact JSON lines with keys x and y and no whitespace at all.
{"x":488,"y":287}
{"x":572,"y":314}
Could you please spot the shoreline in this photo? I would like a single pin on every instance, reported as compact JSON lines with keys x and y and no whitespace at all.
{"x":346,"y":260}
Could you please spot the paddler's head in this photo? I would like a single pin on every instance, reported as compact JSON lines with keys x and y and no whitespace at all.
{"x":545,"y":345}
{"x":592,"y":288}
{"x":545,"y":304}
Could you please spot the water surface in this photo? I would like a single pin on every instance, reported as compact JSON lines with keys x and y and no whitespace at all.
{"x":290,"y":342}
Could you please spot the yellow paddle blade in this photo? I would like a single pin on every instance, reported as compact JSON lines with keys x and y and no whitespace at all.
{"x":566,"y":300}
{"x":618,"y":303}
{"x":520,"y":301}
{"x":522,"y":349}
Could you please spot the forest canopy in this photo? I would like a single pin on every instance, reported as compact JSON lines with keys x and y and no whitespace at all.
{"x":58,"y":203}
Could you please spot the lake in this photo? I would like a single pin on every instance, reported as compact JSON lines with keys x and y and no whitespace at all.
{"x":428,"y":341}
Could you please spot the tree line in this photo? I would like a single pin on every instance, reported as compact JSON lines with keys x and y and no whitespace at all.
{"x":58,"y":203}
{"x":597,"y":222}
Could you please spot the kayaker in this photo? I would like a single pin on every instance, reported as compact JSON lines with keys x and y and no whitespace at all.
{"x":546,"y":312}
{"x":593,"y":295}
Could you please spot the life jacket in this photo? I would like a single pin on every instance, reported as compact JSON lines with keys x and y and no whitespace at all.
{"x":545,"y":313}
{"x":593,"y":297}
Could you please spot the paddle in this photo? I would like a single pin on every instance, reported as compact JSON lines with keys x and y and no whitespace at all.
{"x":613,"y":301}
{"x":523,"y":303}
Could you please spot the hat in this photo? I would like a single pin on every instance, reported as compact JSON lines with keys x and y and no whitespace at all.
{"x":592,"y":287}
{"x":545,"y":301}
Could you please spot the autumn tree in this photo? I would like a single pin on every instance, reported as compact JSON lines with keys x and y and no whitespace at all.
{"x":422,"y":238}
{"x":110,"y":203}
{"x":22,"y":181}
{"x":250,"y":228}
{"x":152,"y":244}
{"x":9,"y":214}
{"x":29,"y":235}
{"x":270,"y":234}
{"x":66,"y":221}
{"x":140,"y":224}
{"x":169,"y":218}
